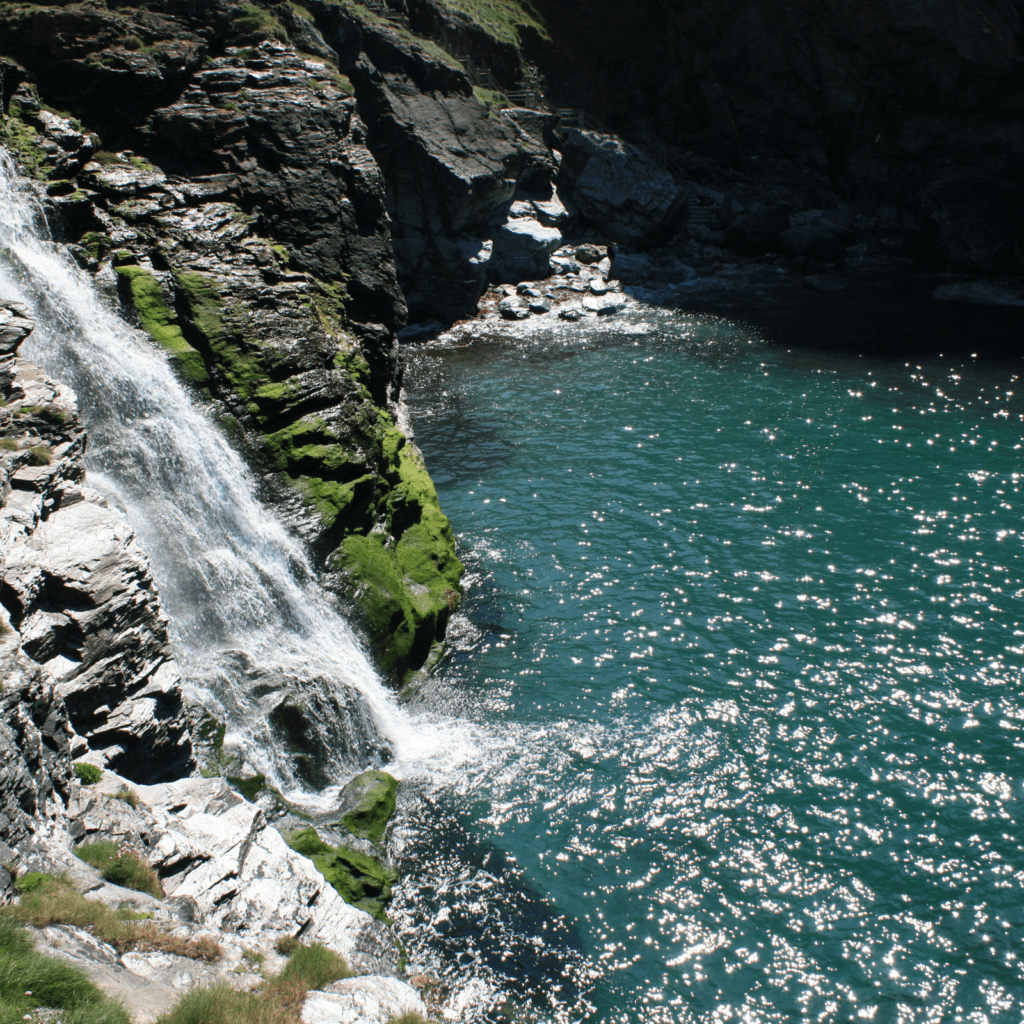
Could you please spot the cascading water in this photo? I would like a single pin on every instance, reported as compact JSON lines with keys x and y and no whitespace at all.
{"x":250,"y":625}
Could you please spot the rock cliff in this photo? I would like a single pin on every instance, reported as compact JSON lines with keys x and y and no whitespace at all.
{"x":80,"y":612}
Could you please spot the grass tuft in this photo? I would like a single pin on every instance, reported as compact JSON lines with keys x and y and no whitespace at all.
{"x":314,"y":966}
{"x":122,"y":867}
{"x":278,"y":1001}
{"x":56,"y":901}
{"x":221,"y":1004}
{"x":40,"y":455}
{"x":88,"y":774}
{"x":29,"y":979}
{"x":129,"y":796}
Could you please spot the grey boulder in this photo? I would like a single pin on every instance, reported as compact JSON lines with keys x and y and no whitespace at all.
{"x":618,"y":188}
{"x":523,"y":248}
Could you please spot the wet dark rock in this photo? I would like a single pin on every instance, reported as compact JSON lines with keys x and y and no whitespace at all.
{"x":814,"y":240}
{"x":513,"y":308}
{"x":757,"y":231}
{"x":824,"y":283}
{"x":619,"y":189}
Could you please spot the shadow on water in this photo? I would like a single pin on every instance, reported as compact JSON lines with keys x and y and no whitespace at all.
{"x":892,"y":315}
{"x":463,"y":894}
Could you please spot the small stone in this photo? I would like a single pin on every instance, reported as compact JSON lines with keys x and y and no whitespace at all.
{"x":512,"y":309}
{"x":603,"y":305}
{"x":527,"y":289}
{"x":589,"y":253}
{"x":572,"y":315}
{"x":540,"y":306}
{"x":598,"y":287}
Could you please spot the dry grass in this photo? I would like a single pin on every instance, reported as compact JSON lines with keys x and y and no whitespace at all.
{"x":56,"y":901}
{"x":129,"y":796}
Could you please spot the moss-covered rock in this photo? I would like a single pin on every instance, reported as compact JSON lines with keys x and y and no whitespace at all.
{"x":407,"y":576}
{"x":160,"y":321}
{"x":370,"y":799}
{"x":361,"y":880}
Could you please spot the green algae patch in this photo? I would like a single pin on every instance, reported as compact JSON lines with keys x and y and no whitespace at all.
{"x":221,"y":334}
{"x":373,"y":796}
{"x":337,"y":503}
{"x":359,"y":879}
{"x":160,"y":322}
{"x":407,"y":578}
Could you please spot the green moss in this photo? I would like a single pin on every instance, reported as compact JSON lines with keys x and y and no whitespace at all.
{"x":491,"y":98}
{"x":360,"y":879}
{"x":408,"y":580}
{"x":95,"y":244}
{"x":22,"y":139}
{"x":249,"y":786}
{"x":374,"y":793}
{"x":336,"y":502}
{"x":161,"y":323}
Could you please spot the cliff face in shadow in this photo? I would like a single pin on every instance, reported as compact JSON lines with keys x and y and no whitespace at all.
{"x":911,"y":108}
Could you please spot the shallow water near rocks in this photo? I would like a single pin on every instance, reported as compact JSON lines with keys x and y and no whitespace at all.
{"x":744,"y":625}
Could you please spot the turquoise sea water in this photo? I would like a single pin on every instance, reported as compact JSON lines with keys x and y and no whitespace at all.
{"x":744,"y":634}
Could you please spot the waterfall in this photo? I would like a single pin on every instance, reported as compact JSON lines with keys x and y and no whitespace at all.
{"x":249,"y":622}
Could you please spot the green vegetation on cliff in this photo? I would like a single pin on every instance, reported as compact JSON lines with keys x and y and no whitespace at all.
{"x":160,"y":322}
{"x":502,"y":19}
{"x":359,"y":879}
{"x":373,"y":795}
{"x":30,"y":980}
{"x":408,"y":577}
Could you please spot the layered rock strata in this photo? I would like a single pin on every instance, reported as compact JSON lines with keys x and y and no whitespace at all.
{"x":252,"y":241}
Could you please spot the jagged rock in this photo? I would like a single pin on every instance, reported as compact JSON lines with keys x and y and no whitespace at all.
{"x":814,"y":240}
{"x":618,"y":188}
{"x":451,"y":170}
{"x":16,"y":324}
{"x":523,"y":248}
{"x":35,"y":761}
{"x":78,"y":591}
{"x":631,"y":268}
{"x":552,"y":212}
{"x":369,"y":1000}
{"x":757,"y":231}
